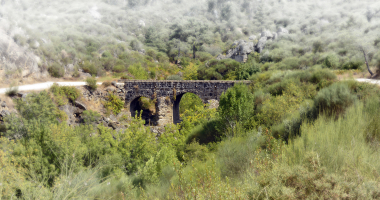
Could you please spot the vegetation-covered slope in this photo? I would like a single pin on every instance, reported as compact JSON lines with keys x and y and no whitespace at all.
{"x":295,"y":132}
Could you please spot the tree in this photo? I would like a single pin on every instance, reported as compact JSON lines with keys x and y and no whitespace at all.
{"x":366,"y":61}
{"x":193,"y":33}
{"x":236,"y":105}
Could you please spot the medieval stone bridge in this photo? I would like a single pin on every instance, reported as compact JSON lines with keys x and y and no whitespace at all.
{"x":168,"y":95}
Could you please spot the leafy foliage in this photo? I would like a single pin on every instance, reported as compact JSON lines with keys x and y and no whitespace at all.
{"x":236,"y":105}
{"x":90,"y":117}
{"x":62,"y":93}
{"x":91,"y":82}
{"x":114,"y":103}
{"x":334,"y":99}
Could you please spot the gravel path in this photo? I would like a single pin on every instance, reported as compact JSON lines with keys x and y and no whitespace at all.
{"x":377,"y":82}
{"x":42,"y":86}
{"x":46,"y":85}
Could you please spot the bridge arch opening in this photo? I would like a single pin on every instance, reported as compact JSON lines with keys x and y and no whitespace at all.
{"x":146,"y":108}
{"x":184,"y":103}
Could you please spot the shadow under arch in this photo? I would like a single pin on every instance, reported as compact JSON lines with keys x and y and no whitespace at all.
{"x":150,"y":117}
{"x":176,"y":106}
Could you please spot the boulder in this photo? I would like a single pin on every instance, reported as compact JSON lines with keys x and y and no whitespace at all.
{"x":69,"y":110}
{"x":14,"y":57}
{"x":275,"y":36}
{"x":4,"y":104}
{"x":69,"y":69}
{"x":252,"y":37}
{"x":240,"y":51}
{"x":261,"y":44}
{"x":114,"y":83}
{"x":80,"y":105}
{"x":267,"y":34}
{"x":110,"y":89}
{"x":85,"y":75}
{"x":4,"y":113}
{"x":282,"y":31}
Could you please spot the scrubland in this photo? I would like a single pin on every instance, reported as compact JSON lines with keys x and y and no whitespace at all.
{"x":297,"y":131}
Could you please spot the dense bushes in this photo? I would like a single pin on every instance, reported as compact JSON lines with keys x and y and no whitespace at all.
{"x":11,"y":91}
{"x":334,"y":99}
{"x":236,"y":106}
{"x":56,"y":70}
{"x":90,"y":117}
{"x":114,"y":103}
{"x":91,"y":83}
{"x":62,"y":93}
{"x":218,"y":70}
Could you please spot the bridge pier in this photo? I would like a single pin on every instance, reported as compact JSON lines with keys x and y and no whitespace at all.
{"x":164,"y":110}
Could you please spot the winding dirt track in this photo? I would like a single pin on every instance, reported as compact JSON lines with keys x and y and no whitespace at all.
{"x":377,"y":82}
{"x":42,"y":86}
{"x":46,"y":85}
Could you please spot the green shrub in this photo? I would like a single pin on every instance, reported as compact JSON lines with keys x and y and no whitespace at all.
{"x":147,"y":104}
{"x":203,"y":56}
{"x":108,"y":62}
{"x":91,"y":83}
{"x":56,"y":70}
{"x":206,"y":132}
{"x":331,"y":61}
{"x":152,"y":53}
{"x":244,"y":71}
{"x":76,"y":72}
{"x":235,"y":155}
{"x":138,"y":72}
{"x":38,"y":106}
{"x":334,"y":99}
{"x":174,"y":77}
{"x":119,"y":68}
{"x":320,"y":76}
{"x":62,"y":93}
{"x":114,"y":104}
{"x":218,"y":70}
{"x":185,"y":61}
{"x":189,"y":102}
{"x":89,"y":67}
{"x":317,"y":47}
{"x":106,"y":54}
{"x":356,"y":64}
{"x":125,"y":77}
{"x":289,"y":63}
{"x":106,"y":84}
{"x":11,"y":91}
{"x":236,"y":105}
{"x":90,"y":117}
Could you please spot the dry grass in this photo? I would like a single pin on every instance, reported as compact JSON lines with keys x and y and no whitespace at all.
{"x":8,"y":101}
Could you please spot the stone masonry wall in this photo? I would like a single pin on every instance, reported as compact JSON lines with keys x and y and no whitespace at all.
{"x":169,"y":93}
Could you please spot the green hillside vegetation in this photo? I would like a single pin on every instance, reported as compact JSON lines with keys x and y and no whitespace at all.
{"x":143,"y":40}
{"x":296,"y":131}
{"x":289,"y":134}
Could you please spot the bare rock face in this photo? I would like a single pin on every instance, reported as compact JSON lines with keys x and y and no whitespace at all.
{"x":241,"y":49}
{"x":239,"y":52}
{"x":282,"y":32}
{"x":16,"y":58}
{"x":267,"y":34}
{"x":261,"y":44}
{"x":252,"y":37}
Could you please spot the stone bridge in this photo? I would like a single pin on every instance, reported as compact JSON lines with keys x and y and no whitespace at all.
{"x":167,"y":95}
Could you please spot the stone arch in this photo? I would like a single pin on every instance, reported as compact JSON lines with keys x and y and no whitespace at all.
{"x":147,"y":115}
{"x":176,"y":103}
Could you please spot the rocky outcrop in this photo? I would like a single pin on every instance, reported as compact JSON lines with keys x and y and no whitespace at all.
{"x":240,"y":51}
{"x":15,"y":58}
{"x":241,"y":48}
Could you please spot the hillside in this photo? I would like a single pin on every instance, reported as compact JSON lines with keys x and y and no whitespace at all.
{"x":302,"y":125}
